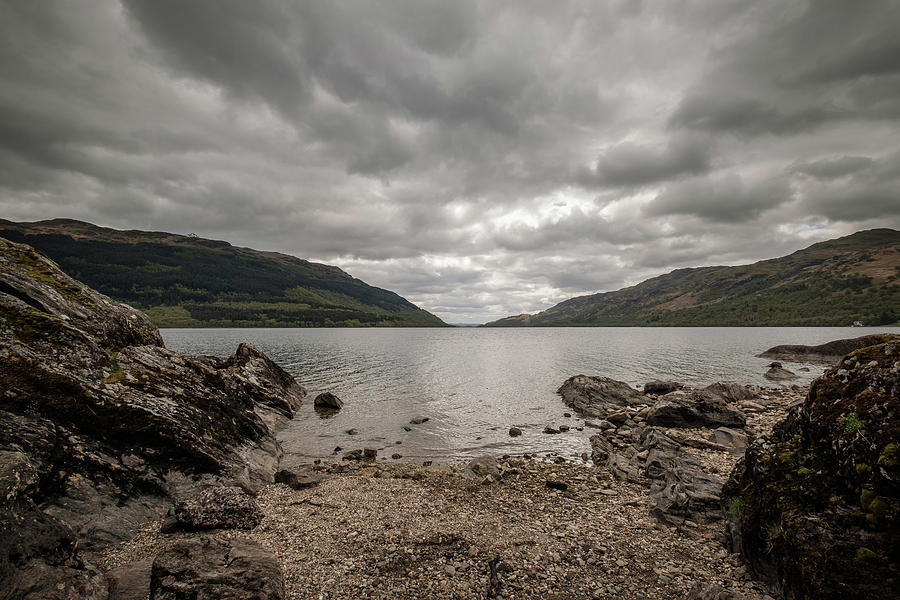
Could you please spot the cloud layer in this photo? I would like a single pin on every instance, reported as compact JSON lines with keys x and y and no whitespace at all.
{"x":480,"y":158}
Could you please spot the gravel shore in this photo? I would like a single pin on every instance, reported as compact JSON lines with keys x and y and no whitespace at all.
{"x":407,"y":531}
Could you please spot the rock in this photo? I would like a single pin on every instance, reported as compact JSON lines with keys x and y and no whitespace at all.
{"x":777,"y":373}
{"x":418,"y":420}
{"x":815,"y":506}
{"x":298,"y":480}
{"x":396,"y":456}
{"x":328,"y":401}
{"x":514,"y":432}
{"x":567,"y":415}
{"x":218,"y":508}
{"x":597,"y":396}
{"x":731,"y":391}
{"x":131,"y":581}
{"x":482,"y":466}
{"x":114,"y":425}
{"x":617,"y":418}
{"x":351,"y":432}
{"x":730,"y":438}
{"x":556,"y":485}
{"x":205,"y":567}
{"x":353,"y":455}
{"x":550,"y":430}
{"x":694,"y":408}
{"x":661,"y":387}
{"x":563,"y":428}
{"x":829,"y":352}
{"x":370,"y":453}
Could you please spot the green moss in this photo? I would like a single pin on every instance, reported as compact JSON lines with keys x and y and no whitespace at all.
{"x":866,"y":498}
{"x":803,"y":471}
{"x":852,"y":424}
{"x":889,"y":457}
{"x":865,"y":555}
{"x":863,"y":470}
{"x":735,"y":505}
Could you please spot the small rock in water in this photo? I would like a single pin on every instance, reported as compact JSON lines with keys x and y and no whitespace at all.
{"x":515,"y":432}
{"x":396,"y":456}
{"x":563,"y":428}
{"x":369,"y":453}
{"x":418,"y":420}
{"x":567,"y":415}
{"x":328,"y":401}
{"x":550,"y":430}
{"x":351,"y":432}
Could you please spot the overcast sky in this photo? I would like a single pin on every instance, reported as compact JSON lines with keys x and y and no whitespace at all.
{"x":481,"y":159}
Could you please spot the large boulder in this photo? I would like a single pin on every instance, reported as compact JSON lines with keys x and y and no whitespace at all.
{"x":694,"y":408}
{"x":112,"y":425}
{"x":815,"y":507}
{"x":777,"y":372}
{"x":731,"y":391}
{"x":598,"y":396}
{"x":829,"y":352}
{"x":207,"y":568}
{"x":659,"y":387}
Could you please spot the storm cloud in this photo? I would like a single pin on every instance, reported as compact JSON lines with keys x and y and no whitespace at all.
{"x":480,"y":158}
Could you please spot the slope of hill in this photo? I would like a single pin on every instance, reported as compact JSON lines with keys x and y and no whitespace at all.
{"x":853,"y":278}
{"x":186,"y":281}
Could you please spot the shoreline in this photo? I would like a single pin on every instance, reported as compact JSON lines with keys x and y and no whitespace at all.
{"x":379,"y":530}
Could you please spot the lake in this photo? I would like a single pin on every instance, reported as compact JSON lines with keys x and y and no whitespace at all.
{"x":474,"y":384}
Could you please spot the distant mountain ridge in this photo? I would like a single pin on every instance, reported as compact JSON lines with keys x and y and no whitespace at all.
{"x":187,"y":281}
{"x":837,"y":282}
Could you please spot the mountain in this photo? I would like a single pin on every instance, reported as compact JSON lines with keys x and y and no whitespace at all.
{"x":853,"y":278}
{"x":187,"y":281}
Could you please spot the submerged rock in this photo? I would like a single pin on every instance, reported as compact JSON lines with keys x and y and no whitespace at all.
{"x":112,"y":425}
{"x":515,"y":432}
{"x":598,"y":396}
{"x":815,"y":507}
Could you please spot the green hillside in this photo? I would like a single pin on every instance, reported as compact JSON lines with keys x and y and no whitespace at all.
{"x":186,"y":281}
{"x":854,"y":278}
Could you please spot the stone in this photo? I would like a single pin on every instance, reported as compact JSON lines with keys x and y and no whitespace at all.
{"x":563,"y":428}
{"x":514,"y":432}
{"x":370,"y":453}
{"x":352,"y":432}
{"x":814,"y":507}
{"x":694,"y":408}
{"x":298,"y":480}
{"x":777,"y":373}
{"x":660,"y":387}
{"x":224,"y":507}
{"x":328,"y":401}
{"x":114,"y":425}
{"x":829,"y":352}
{"x":207,"y":568}
{"x":617,"y":418}
{"x":730,"y":438}
{"x":418,"y":420}
{"x":481,"y":467}
{"x":556,"y":485}
{"x":396,"y":456}
{"x":731,"y":391}
{"x":550,"y":430}
{"x":130,"y":581}
{"x":597,"y":396}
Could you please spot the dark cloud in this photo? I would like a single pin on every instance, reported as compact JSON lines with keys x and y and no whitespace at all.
{"x":631,"y":164}
{"x":725,"y":198}
{"x":480,"y":158}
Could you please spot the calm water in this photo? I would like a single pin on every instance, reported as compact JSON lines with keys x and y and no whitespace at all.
{"x":474,"y":384}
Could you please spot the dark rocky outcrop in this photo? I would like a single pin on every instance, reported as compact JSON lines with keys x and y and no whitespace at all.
{"x":829,"y":352}
{"x":208,"y":567}
{"x":694,"y":408}
{"x":598,"y":396}
{"x":104,"y":428}
{"x":815,"y":507}
{"x":679,"y":488}
{"x":298,"y":479}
